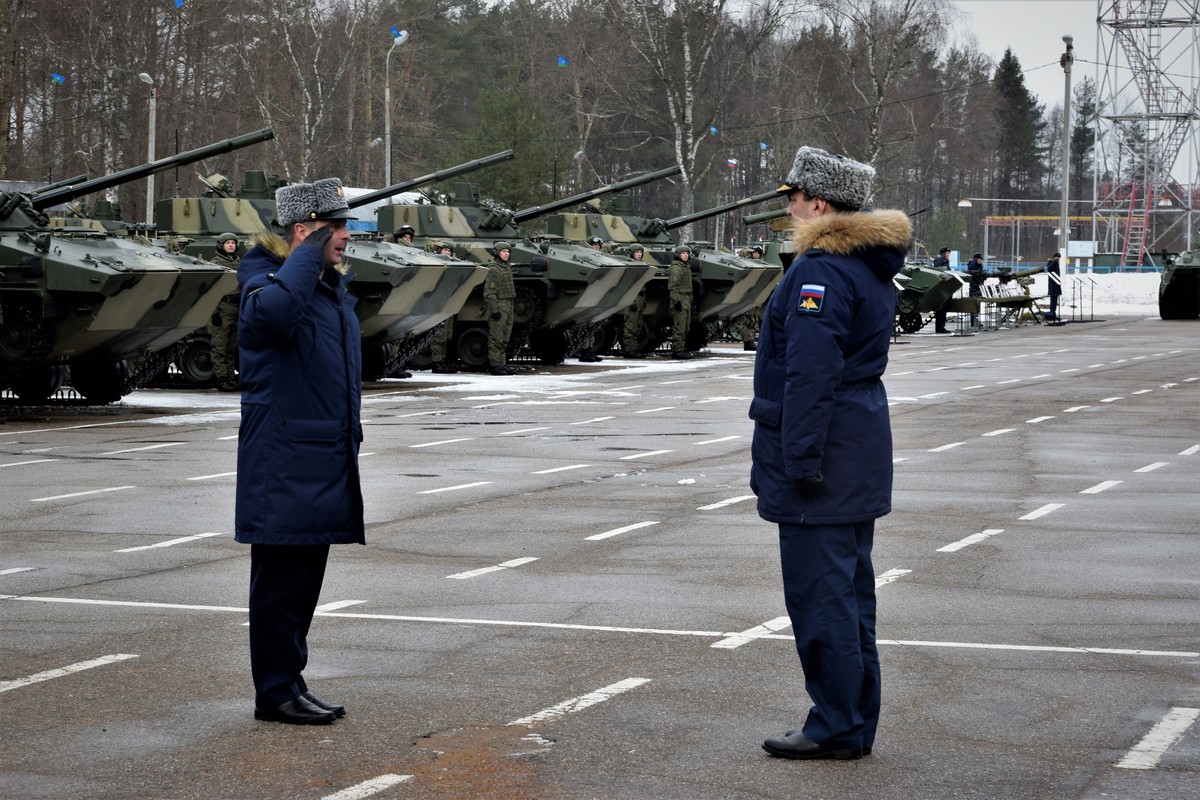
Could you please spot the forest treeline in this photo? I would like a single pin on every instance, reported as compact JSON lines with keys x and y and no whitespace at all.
{"x":585,"y":91}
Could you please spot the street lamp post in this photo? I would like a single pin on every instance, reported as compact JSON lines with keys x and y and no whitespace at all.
{"x":145,"y":78}
{"x":397,"y":40}
{"x":1067,"y":59}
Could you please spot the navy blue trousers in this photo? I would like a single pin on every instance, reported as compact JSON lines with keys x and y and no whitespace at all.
{"x":285,"y":583}
{"x":829,"y":588}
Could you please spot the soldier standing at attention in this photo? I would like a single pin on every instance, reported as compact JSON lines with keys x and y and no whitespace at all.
{"x":222,"y":331}
{"x":439,"y":348}
{"x":821,"y":459}
{"x":631,"y":331}
{"x":679,"y":287}
{"x":298,"y":488}
{"x":1053,"y":285}
{"x":498,"y":295}
{"x":941,"y":262}
{"x":978,"y":276}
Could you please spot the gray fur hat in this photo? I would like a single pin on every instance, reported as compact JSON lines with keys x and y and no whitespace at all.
{"x":308,"y":202}
{"x":835,"y":178}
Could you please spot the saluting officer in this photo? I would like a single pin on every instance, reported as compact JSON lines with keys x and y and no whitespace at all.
{"x":498,"y":295}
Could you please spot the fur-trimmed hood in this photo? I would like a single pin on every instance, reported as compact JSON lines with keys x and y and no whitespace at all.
{"x":842,"y":234}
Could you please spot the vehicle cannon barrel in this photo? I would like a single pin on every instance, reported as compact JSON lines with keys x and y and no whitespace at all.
{"x":676,"y":222}
{"x":764,"y":216}
{"x":66,"y":193}
{"x":533,"y":212}
{"x":1006,"y":274}
{"x":59,"y":184}
{"x":440,"y":175}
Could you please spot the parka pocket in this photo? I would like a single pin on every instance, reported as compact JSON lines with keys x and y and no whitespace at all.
{"x":768,"y":412}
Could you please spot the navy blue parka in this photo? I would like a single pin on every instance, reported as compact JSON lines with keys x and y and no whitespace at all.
{"x":819,"y":403}
{"x":301,"y":368}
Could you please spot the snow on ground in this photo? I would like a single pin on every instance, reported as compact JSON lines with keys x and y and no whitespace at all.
{"x":1118,"y":294}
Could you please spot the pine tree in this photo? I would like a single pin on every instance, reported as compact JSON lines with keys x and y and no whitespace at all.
{"x":1019,"y":160}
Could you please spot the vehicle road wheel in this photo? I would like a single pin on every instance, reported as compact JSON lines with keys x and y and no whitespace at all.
{"x":39,"y":382}
{"x":911,"y":322}
{"x":471,"y":344}
{"x":549,"y":345}
{"x":195,"y":362}
{"x":100,"y":381}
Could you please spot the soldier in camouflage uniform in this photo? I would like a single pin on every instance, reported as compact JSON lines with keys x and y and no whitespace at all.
{"x":631,"y":332}
{"x":439,"y":348}
{"x":498,"y":295}
{"x":223,"y":329}
{"x":679,"y":287}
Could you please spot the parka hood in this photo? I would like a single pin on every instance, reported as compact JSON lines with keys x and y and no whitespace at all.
{"x":881,"y":238}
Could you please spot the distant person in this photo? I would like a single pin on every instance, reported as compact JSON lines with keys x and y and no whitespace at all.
{"x":441,"y":348}
{"x":222,"y":331}
{"x":977,"y":275}
{"x":596,"y":242}
{"x":298,"y":488}
{"x":821,"y":458}
{"x":632,"y":329}
{"x":1054,"y":286}
{"x":939,"y":316}
{"x":499,"y":293}
{"x":404,"y":235}
{"x":679,"y":291}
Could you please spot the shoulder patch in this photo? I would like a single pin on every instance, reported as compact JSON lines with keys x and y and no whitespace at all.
{"x":812,"y":299}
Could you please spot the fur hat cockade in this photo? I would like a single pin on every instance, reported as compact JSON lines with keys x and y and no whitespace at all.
{"x":308,"y":202}
{"x":835,"y":178}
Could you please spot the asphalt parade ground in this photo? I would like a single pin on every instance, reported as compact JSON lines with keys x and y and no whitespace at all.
{"x":567,"y":593}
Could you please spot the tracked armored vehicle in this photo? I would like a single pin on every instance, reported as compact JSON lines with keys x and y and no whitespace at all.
{"x":107,"y":309}
{"x":1179,"y":287}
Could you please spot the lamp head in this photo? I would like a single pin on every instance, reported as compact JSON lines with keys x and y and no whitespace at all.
{"x":400,"y":38}
{"x":144,"y":77}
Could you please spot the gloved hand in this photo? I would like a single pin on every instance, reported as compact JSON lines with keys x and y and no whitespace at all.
{"x":678,"y":305}
{"x":809,"y":485}
{"x":496,"y":315}
{"x":318,"y":238}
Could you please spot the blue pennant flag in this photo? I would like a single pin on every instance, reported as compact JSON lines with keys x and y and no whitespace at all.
{"x":59,"y":79}
{"x":563,"y":61}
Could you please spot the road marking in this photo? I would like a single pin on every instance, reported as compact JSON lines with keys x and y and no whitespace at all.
{"x":652,"y":410}
{"x":946,"y":447}
{"x":970,"y":540}
{"x":530,"y":430}
{"x":454,"y":488}
{"x":728,"y":502}
{"x":1168,"y":385}
{"x":976,"y":386}
{"x":898,"y":374}
{"x":227,"y":438}
{"x":214,"y":475}
{"x":1093,"y":366}
{"x":81,"y":494}
{"x":1119,"y":361}
{"x":937,"y":369}
{"x":722,"y":439}
{"x":419,"y":414}
{"x":367,"y":788}
{"x":1038,"y":648}
{"x":1073,"y":409}
{"x":1191,"y":451}
{"x":898,"y":460}
{"x":750,"y":634}
{"x":582,"y":702}
{"x":444,"y":441}
{"x":1100,"y":487}
{"x":1036,"y":420}
{"x":721,"y":399}
{"x":645,"y":455}
{"x":1037,"y":377}
{"x":618,"y":531}
{"x":998,"y":432}
{"x":889,"y":576}
{"x":1043,"y":511}
{"x":1166,"y":732}
{"x":668,"y":383}
{"x":931,"y":396}
{"x":49,"y":674}
{"x":1136,"y":358}
{"x":140,"y":449}
{"x":967,"y":364}
{"x":1073,"y":369}
{"x":169,"y":542}
{"x":1189,"y":380}
{"x":560,"y":469}
{"x":15,"y":570}
{"x":24,"y":463}
{"x":516,"y":562}
{"x":1111,"y":399}
{"x":1152,"y":467}
{"x":1011,"y":380}
{"x":1142,"y":391}
{"x":586,"y":421}
{"x":337,"y":605}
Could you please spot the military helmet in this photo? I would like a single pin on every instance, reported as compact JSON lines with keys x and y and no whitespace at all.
{"x":637,"y":248}
{"x":498,"y":246}
{"x":227,"y":237}
{"x":681,"y":249}
{"x":403,"y":229}
{"x":757,"y":248}
{"x":595,"y":240}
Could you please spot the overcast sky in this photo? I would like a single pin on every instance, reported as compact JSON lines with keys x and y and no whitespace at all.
{"x":1033,"y":29}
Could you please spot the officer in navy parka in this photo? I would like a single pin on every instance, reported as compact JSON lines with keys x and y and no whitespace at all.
{"x":822,"y":448}
{"x":298,"y":485}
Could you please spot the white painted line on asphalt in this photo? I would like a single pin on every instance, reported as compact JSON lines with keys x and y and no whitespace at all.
{"x":1152,"y":467}
{"x":337,"y":605}
{"x":652,"y":410}
{"x":728,"y":502}
{"x":1100,"y":487}
{"x":932,"y":395}
{"x":419,"y":414}
{"x":1073,"y":409}
{"x":1036,"y":420}
{"x":455,"y":488}
{"x":1142,"y":391}
{"x":1167,"y":731}
{"x":226,"y":438}
{"x":1136,"y":358}
{"x":750,"y":634}
{"x":889,"y":576}
{"x":618,"y":531}
{"x":668,"y":383}
{"x":898,"y":374}
{"x":1119,"y":361}
{"x":1038,"y":648}
{"x":25,"y":463}
{"x":1011,"y":380}
{"x":443,"y":441}
{"x":1168,"y":385}
{"x":169,"y":542}
{"x":364,"y":455}
{"x":529,"y":430}
{"x":970,"y":540}
{"x":367,"y":788}
{"x":516,"y":562}
{"x":1189,"y":380}
{"x":50,"y":674}
{"x":967,"y":364}
{"x":1021,"y":355}
{"x":582,"y":702}
{"x":140,"y":449}
{"x":586,"y":421}
{"x":1073,"y":369}
{"x":1001,"y":358}
{"x":1093,"y":366}
{"x":645,"y":455}
{"x":81,"y":494}
{"x":1191,"y":451}
{"x":937,"y":369}
{"x":976,"y":386}
{"x":560,"y":469}
{"x":721,"y":399}
{"x":946,"y":447}
{"x":15,"y":570}
{"x":898,"y":460}
{"x":1111,"y":399}
{"x":998,"y":432}
{"x":1043,"y":511}
{"x":722,"y":439}
{"x":214,"y":475}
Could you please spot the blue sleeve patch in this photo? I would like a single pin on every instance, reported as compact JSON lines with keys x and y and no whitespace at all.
{"x":812,"y":299}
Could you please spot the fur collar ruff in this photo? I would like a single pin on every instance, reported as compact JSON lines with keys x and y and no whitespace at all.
{"x":842,"y":234}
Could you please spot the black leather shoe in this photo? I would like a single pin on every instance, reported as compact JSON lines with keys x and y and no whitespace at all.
{"x":940,"y":330}
{"x":501,"y":370}
{"x":590,"y":359}
{"x":442,"y":368}
{"x":797,"y":745}
{"x":683,"y":354}
{"x":794,"y":731}
{"x":296,"y":712}
{"x":632,"y":354}
{"x":749,"y":347}
{"x":229,"y":386}
{"x":337,"y":711}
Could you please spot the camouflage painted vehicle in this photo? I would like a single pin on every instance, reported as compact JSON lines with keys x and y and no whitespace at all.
{"x":729,"y":284}
{"x":778,"y":249}
{"x":1179,"y":288}
{"x":563,"y":289}
{"x":107,"y":309}
{"x":191,"y":225}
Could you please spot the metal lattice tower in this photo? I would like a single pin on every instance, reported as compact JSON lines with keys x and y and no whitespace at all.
{"x":1148,"y":139}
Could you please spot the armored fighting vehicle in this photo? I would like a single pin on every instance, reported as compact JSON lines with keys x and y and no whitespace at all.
{"x":107,"y":308}
{"x":1179,"y":288}
{"x":563,"y":288}
{"x":778,"y":249}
